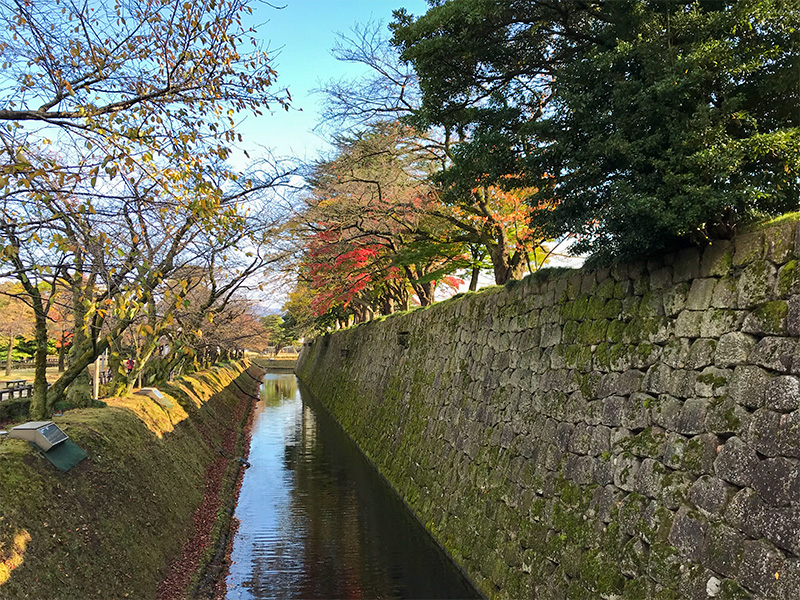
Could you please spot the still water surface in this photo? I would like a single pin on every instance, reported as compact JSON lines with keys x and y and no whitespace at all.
{"x":316,"y":521}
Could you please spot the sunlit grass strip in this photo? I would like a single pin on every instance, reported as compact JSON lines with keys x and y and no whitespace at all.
{"x":16,"y":558}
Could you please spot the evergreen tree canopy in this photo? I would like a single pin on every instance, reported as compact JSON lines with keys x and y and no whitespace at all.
{"x":650,"y":119}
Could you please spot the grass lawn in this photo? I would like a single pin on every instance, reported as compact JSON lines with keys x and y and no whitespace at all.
{"x":52,"y":374}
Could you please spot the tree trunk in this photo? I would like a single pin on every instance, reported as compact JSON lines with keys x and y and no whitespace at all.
{"x":40,"y":408}
{"x":62,"y":352}
{"x":79,"y":392}
{"x":425,"y":293}
{"x":506,"y":267}
{"x":473,"y":282}
{"x":119,"y":374}
{"x":11,"y":339}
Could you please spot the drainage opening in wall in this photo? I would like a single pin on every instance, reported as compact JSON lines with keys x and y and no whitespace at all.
{"x":403,"y":338}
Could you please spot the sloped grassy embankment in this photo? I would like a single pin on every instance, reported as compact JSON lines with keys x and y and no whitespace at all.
{"x":122,"y":522}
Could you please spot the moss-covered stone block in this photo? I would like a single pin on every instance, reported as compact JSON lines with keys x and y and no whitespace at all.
{"x":602,"y":357}
{"x":789,"y":279}
{"x":757,"y":284}
{"x":675,"y":297}
{"x":606,"y":289}
{"x":688,"y":323}
{"x":600,"y":573}
{"x":781,"y":242}
{"x":621,"y":357}
{"x":615,"y":331}
{"x":725,"y":293}
{"x":595,"y":308}
{"x":750,"y":247}
{"x":701,"y":294}
{"x":717,"y":259}
{"x":767,"y":319}
{"x":719,"y":321}
{"x":652,"y":304}
{"x":612,"y":309}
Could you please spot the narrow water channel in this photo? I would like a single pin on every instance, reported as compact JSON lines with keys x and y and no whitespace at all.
{"x":316,"y":520}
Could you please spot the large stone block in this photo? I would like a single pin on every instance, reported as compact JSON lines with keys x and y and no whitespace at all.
{"x":688,"y":533}
{"x":781,"y":242}
{"x":761,"y":567}
{"x":725,"y":293}
{"x":723,"y":550}
{"x":757,"y":284}
{"x":676,"y":352}
{"x":719,"y":321}
{"x":775,"y":434}
{"x":700,"y":454}
{"x":649,"y":478}
{"x":687,"y":265}
{"x":767,"y":319}
{"x":629,"y":382}
{"x":779,"y":526}
{"x":747,"y":385}
{"x":701,"y":294}
{"x":777,"y":481}
{"x":733,"y":349}
{"x":782,"y":394}
{"x":711,"y":494}
{"x":674,"y":450}
{"x":636,"y":411}
{"x":750,"y":247}
{"x":701,"y":353}
{"x":656,"y":381}
{"x":787,"y":581}
{"x":625,"y":470}
{"x":725,"y":417}
{"x":693,"y":416}
{"x":717,"y":259}
{"x":551,"y":335}
{"x":674,"y":299}
{"x":688,"y":322}
{"x":735,"y":462}
{"x":600,"y":441}
{"x":744,"y":512}
{"x":713,"y":382}
{"x":661,"y":278}
{"x":666,"y":412}
{"x":682,"y":383}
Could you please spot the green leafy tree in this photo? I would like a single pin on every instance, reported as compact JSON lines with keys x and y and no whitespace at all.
{"x":279,"y":331}
{"x":677,"y":120}
{"x":639,"y":121}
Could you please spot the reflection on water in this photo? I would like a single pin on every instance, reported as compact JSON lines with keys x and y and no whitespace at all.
{"x":318,"y":522}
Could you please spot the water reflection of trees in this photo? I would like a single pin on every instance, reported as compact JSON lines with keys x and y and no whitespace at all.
{"x":340,"y":535}
{"x":276,"y":389}
{"x":337,"y":564}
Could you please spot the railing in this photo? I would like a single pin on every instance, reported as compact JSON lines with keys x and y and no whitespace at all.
{"x":22,"y":391}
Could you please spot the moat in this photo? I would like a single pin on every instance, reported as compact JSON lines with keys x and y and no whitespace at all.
{"x":317,"y":521}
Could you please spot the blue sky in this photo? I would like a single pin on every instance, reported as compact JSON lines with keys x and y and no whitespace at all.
{"x":304,"y":31}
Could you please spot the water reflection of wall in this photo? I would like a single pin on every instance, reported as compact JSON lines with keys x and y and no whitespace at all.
{"x":335,"y":564}
{"x":320,"y":524}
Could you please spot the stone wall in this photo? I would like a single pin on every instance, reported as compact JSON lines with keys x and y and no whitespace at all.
{"x":631,"y":432}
